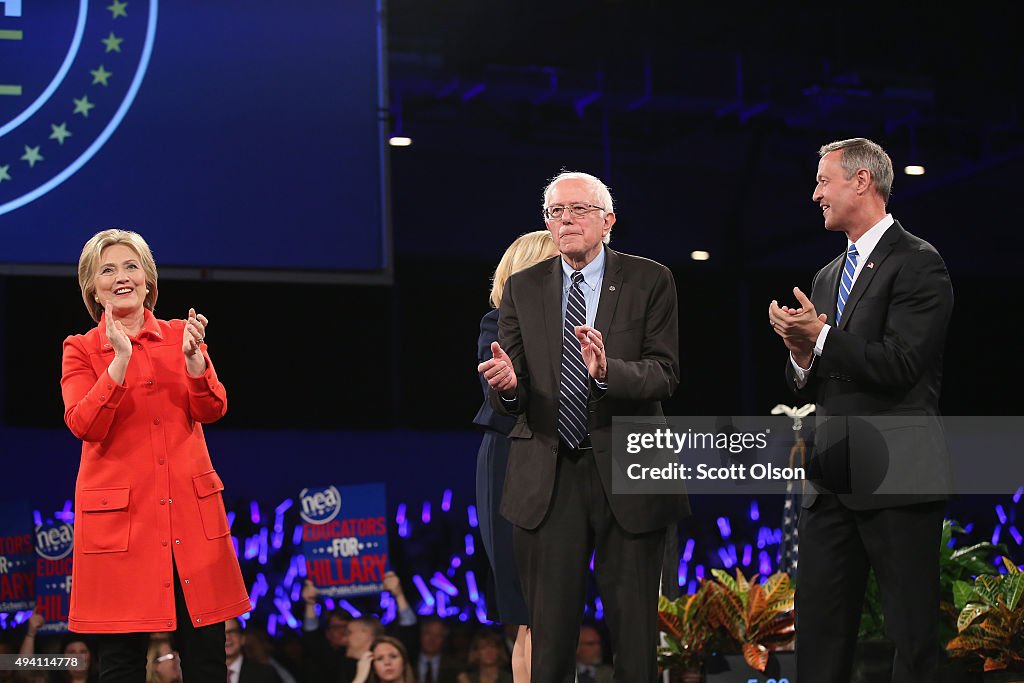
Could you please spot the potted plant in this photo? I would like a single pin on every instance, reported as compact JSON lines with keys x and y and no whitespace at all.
{"x":991,"y":622}
{"x":688,"y":630}
{"x":753,"y":618}
{"x":961,"y":564}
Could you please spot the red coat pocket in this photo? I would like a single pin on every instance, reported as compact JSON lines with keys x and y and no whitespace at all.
{"x":211,"y":504}
{"x":105,"y":520}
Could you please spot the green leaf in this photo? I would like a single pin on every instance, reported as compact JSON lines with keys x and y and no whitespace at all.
{"x":1013,"y":588}
{"x":982,"y":550}
{"x":777,"y":588}
{"x":989,"y":588}
{"x":969,"y":613}
{"x":741,"y":581}
{"x":964,"y":593}
{"x":725,"y":580}
{"x":947,"y":533}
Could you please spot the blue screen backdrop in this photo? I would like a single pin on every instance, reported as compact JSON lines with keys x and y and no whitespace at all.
{"x":231,"y":135}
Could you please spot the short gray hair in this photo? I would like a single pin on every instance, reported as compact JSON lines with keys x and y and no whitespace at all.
{"x":861,"y":153}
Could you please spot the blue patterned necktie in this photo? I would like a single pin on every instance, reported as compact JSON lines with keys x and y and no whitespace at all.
{"x":575,"y":384}
{"x":846,"y":282}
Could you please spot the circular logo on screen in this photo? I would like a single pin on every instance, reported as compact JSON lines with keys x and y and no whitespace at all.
{"x":54,"y":540}
{"x":319,"y":506}
{"x":69,"y":72}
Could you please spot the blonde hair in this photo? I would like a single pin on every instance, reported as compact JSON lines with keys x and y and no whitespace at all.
{"x":152,"y":675}
{"x":527,"y":250}
{"x":90,"y":259}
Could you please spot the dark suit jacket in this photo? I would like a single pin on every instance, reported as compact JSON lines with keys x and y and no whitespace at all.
{"x":447,"y":672}
{"x":255,"y":672}
{"x":637,"y":315}
{"x":883,"y":362}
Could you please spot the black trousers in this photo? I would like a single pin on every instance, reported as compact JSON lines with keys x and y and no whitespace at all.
{"x":838,"y":546}
{"x":123,"y":655}
{"x":553,"y":560}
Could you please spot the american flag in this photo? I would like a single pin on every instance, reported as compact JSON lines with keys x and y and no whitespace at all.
{"x":789,"y":548}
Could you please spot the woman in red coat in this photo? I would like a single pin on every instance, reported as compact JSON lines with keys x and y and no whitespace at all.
{"x":152,"y":547}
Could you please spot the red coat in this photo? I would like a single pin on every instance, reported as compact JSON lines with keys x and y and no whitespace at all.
{"x":146,"y":489}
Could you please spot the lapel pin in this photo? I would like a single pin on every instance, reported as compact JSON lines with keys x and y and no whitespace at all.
{"x":870,"y":264}
{"x":611,"y":288}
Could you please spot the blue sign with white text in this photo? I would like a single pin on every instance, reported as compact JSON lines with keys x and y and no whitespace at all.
{"x":345,"y":538}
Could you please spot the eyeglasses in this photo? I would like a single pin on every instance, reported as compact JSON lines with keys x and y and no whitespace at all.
{"x":579,"y":210}
{"x":164,"y":658}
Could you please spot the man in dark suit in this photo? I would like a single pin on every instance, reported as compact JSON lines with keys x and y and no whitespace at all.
{"x":430,"y":663}
{"x":590,"y":666}
{"x":584,"y":337}
{"x":242,"y":669}
{"x":869,"y":343}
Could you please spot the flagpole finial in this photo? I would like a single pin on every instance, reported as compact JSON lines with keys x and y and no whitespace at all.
{"x":796,"y":413}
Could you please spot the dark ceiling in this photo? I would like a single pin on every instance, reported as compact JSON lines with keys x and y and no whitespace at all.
{"x":717,"y":109}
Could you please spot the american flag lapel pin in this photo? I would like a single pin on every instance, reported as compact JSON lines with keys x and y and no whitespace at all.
{"x":870,"y":264}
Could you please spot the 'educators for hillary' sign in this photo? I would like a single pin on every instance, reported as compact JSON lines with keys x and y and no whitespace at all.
{"x":345,"y":538}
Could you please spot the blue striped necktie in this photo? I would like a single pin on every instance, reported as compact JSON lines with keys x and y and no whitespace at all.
{"x":846,"y":282}
{"x":575,"y":384}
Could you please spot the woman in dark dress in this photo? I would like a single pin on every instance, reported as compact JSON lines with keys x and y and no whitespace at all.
{"x":507,"y":594}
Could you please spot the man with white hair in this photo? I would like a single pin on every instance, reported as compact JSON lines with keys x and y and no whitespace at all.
{"x":583,"y":337}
